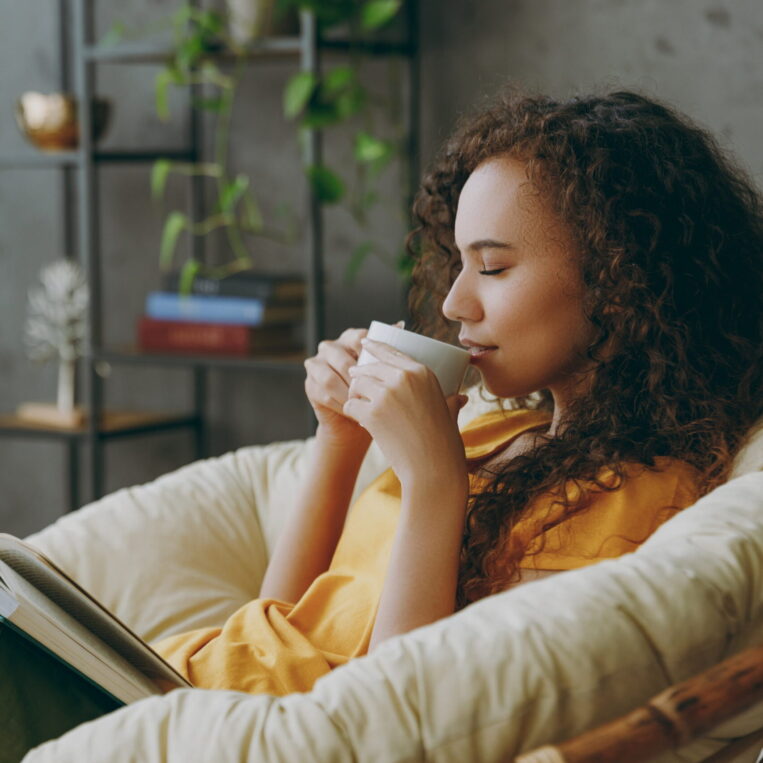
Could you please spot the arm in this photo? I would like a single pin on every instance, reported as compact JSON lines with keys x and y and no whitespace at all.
{"x":420,"y":586}
{"x":306,"y":544}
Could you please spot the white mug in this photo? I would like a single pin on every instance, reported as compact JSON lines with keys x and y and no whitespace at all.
{"x":448,"y":363}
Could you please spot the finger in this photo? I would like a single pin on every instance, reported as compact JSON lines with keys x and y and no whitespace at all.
{"x":377,"y":370}
{"x":355,"y":408}
{"x":319,"y":396}
{"x":323,"y":383}
{"x":400,"y":324}
{"x":366,"y":388}
{"x":389,"y":354}
{"x":350,"y":339}
{"x":338,"y":358}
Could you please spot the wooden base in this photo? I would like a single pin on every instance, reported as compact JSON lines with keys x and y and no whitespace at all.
{"x":49,"y":414}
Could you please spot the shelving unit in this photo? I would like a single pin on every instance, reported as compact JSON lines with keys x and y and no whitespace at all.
{"x":79,"y":173}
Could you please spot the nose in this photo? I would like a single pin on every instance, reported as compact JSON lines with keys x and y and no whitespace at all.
{"x":461,"y":304}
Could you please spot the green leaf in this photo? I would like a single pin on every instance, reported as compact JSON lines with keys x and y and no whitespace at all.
{"x":350,"y":102}
{"x":211,"y":24}
{"x":376,"y":13}
{"x":187,"y":274}
{"x":370,"y":149}
{"x":319,"y":117}
{"x":164,"y":79}
{"x":188,"y":52}
{"x":159,"y":174}
{"x":175,"y":223}
{"x":252,"y":216}
{"x":326,"y":185}
{"x":209,"y":104}
{"x":338,"y":79}
{"x":357,"y":258}
{"x":298,"y":92}
{"x":232,"y":192}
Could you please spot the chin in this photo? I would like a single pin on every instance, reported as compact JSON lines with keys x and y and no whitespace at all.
{"x":505,"y":389}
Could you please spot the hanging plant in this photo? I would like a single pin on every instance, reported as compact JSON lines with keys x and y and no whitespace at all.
{"x":313,"y":102}
{"x":337,"y":96}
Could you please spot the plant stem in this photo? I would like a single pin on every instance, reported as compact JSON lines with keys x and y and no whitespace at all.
{"x":221,"y":156}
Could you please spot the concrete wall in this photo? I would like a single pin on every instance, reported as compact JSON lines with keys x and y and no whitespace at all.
{"x":705,"y":57}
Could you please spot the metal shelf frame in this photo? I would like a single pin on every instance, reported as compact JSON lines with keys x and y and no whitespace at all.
{"x":79,"y":58}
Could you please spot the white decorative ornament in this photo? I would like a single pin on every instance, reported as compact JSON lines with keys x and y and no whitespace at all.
{"x":56,"y":325}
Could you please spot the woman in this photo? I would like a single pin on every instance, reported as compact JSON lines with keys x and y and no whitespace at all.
{"x":599,"y":254}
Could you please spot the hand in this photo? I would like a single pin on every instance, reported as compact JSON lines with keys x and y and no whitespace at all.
{"x":400,"y":403}
{"x":326,"y":387}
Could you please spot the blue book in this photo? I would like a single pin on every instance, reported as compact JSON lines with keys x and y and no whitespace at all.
{"x":247,"y":311}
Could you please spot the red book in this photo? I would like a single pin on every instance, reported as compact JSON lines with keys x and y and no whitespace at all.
{"x":218,"y":338}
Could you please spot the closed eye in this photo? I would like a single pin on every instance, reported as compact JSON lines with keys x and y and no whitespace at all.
{"x":491,"y":272}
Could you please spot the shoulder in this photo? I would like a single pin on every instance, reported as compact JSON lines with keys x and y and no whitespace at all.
{"x":668,"y":478}
{"x":644,"y":498}
{"x":614,"y":521}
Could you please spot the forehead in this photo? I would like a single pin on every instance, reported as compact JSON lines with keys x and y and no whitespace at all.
{"x":497,"y":201}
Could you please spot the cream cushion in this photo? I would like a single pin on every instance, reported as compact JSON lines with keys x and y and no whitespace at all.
{"x":533,"y":665}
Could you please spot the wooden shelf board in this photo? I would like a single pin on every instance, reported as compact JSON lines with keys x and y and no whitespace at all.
{"x":291,"y":361}
{"x":113,"y":422}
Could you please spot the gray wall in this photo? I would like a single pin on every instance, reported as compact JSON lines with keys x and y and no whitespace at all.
{"x":705,"y":57}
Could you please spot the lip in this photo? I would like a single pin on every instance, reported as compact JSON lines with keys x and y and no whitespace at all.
{"x":469,"y":344}
{"x":477,"y":351}
{"x":476,"y":355}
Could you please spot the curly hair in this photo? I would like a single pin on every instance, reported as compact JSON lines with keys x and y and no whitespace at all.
{"x":668,"y":234}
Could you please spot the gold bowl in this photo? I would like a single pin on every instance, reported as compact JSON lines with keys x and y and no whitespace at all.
{"x":49,"y":121}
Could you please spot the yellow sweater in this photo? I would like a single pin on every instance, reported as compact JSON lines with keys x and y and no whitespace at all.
{"x":277,"y":647}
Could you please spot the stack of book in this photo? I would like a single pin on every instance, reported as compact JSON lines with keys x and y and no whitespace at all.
{"x":242,"y":314}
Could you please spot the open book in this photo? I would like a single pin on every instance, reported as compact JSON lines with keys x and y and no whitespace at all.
{"x":64,"y":658}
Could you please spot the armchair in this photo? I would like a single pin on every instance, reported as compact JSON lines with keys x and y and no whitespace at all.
{"x":532,"y":666}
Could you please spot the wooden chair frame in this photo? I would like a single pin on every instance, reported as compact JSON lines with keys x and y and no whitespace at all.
{"x":672,"y":719}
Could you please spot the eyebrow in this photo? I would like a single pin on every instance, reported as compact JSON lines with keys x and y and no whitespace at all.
{"x":488,"y":243}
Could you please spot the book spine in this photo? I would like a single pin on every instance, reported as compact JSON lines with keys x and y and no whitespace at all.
{"x":187,"y":336}
{"x":255,"y":288}
{"x":216,"y":287}
{"x":173,"y":307}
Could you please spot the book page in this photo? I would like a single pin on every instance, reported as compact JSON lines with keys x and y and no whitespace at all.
{"x":60,"y":589}
{"x":8,"y":605}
